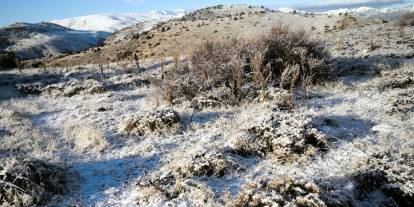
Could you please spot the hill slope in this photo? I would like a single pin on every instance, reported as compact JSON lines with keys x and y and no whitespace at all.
{"x":31,"y":41}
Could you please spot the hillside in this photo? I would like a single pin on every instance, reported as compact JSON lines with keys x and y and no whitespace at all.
{"x":31,"y":41}
{"x":214,"y":23}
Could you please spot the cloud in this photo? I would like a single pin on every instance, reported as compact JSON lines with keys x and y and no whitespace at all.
{"x":134,"y":1}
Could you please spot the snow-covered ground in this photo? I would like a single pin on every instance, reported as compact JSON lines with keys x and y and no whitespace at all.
{"x":79,"y":118}
{"x":110,"y":164}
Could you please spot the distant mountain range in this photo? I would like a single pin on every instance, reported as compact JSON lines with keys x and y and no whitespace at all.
{"x":389,"y":14}
{"x":115,"y":22}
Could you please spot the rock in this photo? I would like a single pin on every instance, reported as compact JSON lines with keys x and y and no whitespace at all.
{"x":147,"y":122}
{"x":29,"y":182}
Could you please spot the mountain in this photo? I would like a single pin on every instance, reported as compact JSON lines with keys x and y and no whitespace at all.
{"x":115,"y":22}
{"x":31,"y":41}
{"x":389,"y":14}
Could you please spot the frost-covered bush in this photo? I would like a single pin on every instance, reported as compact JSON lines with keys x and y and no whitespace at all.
{"x":179,"y":178}
{"x":279,"y":192}
{"x":397,"y":79}
{"x":74,"y":87}
{"x":151,"y":122}
{"x":391,"y":173}
{"x":29,"y":182}
{"x":27,"y":89}
{"x":282,"y":135}
{"x":402,"y":104}
{"x":207,"y":163}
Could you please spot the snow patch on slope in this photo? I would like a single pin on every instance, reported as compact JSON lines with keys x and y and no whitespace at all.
{"x":389,"y":14}
{"x":115,"y":22}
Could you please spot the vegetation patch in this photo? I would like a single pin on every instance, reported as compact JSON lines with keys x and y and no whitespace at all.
{"x":279,"y":192}
{"x":283,"y":136}
{"x":157,"y":122}
{"x":29,"y":182}
{"x":390,"y":173}
{"x":282,"y":58}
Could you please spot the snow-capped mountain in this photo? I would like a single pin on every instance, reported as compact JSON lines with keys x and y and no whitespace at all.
{"x":30,"y":41}
{"x":388,"y":14}
{"x":115,"y":22}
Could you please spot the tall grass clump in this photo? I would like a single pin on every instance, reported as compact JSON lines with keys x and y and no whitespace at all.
{"x":245,"y":69}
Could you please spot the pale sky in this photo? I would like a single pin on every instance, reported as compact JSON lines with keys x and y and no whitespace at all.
{"x":33,"y":11}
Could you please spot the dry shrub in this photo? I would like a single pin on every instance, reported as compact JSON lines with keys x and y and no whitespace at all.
{"x":279,"y":192}
{"x":249,"y":67}
{"x":407,"y":19}
{"x":158,"y":122}
{"x":28,"y":182}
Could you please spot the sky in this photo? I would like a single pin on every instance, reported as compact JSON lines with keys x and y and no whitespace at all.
{"x":33,"y":11}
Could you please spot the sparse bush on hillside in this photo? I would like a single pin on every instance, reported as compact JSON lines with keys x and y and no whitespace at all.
{"x":245,"y":66}
{"x":407,"y":19}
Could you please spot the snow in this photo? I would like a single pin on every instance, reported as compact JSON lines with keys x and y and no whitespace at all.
{"x":383,"y":13}
{"x":115,"y":22}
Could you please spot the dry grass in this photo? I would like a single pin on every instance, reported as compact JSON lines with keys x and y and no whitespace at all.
{"x":86,"y":137}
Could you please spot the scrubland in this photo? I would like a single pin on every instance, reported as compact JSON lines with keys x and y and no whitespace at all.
{"x":284,"y":118}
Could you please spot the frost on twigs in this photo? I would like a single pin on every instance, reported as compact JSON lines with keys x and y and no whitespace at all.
{"x":28,"y":182}
{"x":283,"y":136}
{"x":151,"y":122}
{"x":279,"y":192}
